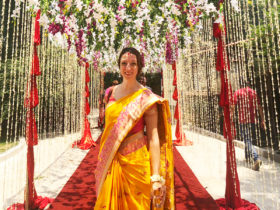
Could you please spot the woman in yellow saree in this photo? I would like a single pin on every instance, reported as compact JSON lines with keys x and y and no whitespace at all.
{"x":135,"y":171}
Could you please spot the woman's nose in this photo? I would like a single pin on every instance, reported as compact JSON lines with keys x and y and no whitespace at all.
{"x":128,"y":66}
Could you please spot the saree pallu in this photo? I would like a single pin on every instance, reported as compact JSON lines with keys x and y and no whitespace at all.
{"x":123,"y":170}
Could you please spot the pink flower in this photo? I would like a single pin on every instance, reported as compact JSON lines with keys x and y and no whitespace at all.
{"x":168,"y":53}
{"x":54,"y":28}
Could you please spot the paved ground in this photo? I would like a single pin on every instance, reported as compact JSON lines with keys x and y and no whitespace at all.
{"x":207,"y":158}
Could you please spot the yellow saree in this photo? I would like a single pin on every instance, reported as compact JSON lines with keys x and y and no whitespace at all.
{"x":123,"y":169}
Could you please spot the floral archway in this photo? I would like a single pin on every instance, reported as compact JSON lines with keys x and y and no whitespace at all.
{"x":94,"y":29}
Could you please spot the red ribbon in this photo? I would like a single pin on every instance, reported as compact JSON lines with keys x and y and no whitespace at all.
{"x":178,"y":131}
{"x":35,"y":71}
{"x":37,"y":39}
{"x":87,"y":79}
{"x":31,"y":128}
{"x":175,"y":94}
{"x":217,"y":32}
{"x":232,"y":194}
{"x":175,"y":79}
{"x":86,"y":142}
{"x":30,"y":102}
{"x":87,"y":108}
{"x":31,"y":99}
{"x":32,"y":195}
{"x":86,"y":91}
{"x":174,"y":66}
{"x":176,"y":112}
{"x":87,"y":76}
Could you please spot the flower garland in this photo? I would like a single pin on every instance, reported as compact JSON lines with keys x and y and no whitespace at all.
{"x":96,"y":30}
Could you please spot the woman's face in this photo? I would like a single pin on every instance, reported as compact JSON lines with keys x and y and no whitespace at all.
{"x":128,"y":66}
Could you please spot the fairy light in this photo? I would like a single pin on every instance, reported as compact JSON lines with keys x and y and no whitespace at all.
{"x":262,"y":68}
{"x":5,"y":63}
{"x":26,"y":21}
{"x":67,"y":97}
{"x":12,"y":92}
{"x":271,"y":49}
{"x":20,"y":27}
{"x":55,"y":92}
{"x":1,"y":34}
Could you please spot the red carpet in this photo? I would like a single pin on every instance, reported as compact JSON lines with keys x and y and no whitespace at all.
{"x":189,"y":193}
{"x":79,"y":192}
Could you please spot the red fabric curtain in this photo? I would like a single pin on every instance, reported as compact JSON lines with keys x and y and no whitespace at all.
{"x":232,"y":192}
{"x":86,"y":142}
{"x":30,"y":102}
{"x":175,"y":94}
{"x":181,"y":139}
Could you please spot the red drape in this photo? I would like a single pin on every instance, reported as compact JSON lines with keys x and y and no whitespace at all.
{"x":232,"y":193}
{"x":86,"y":141}
{"x":181,"y":139}
{"x":31,"y":100}
{"x":175,"y":93}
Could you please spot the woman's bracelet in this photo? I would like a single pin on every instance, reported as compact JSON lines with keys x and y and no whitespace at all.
{"x":157,"y":178}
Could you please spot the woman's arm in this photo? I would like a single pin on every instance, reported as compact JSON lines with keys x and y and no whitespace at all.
{"x":158,"y":187}
{"x":151,"y":120}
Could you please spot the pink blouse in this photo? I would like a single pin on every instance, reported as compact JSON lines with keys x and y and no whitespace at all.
{"x":138,"y":126}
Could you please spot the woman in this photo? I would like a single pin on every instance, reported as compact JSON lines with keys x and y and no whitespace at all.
{"x":102,"y":101}
{"x":133,"y":168}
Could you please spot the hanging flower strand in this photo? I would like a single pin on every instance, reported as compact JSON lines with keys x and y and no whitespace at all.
{"x":88,"y":28}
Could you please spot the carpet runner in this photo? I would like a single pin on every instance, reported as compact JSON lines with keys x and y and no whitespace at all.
{"x":79,"y":191}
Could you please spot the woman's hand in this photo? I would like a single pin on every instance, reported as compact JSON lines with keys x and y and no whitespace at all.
{"x":158,"y":193}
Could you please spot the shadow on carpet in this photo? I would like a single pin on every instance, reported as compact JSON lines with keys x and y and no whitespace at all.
{"x":79,"y":191}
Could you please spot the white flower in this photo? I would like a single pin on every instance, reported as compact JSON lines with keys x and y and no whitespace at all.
{"x":18,"y":2}
{"x":199,"y":26}
{"x":68,"y":2}
{"x":174,"y":10}
{"x":122,"y":14}
{"x":58,"y":20}
{"x":128,"y":19}
{"x":44,"y":21}
{"x":97,"y":16}
{"x":234,"y":4}
{"x":87,"y":12}
{"x":113,"y":23}
{"x":100,"y":27}
{"x":16,"y":12}
{"x":99,"y":8}
{"x":219,"y":19}
{"x":89,"y":56}
{"x":201,"y":2}
{"x":143,"y":12}
{"x":72,"y":23}
{"x":72,"y":50}
{"x":59,"y":40}
{"x":88,"y":20}
{"x":79,"y":5}
{"x":209,"y":8}
{"x":34,"y":3}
